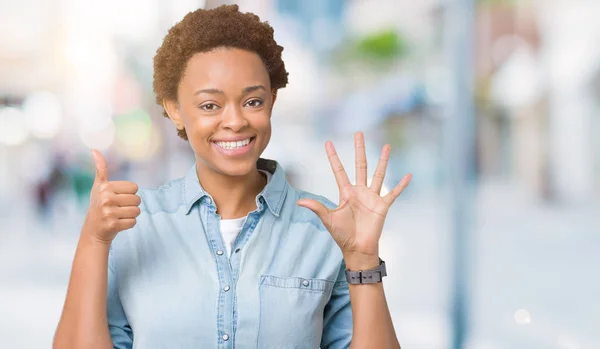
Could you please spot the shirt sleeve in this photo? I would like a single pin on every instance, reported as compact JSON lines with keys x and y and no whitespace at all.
{"x":120,"y":331}
{"x":337,"y":321}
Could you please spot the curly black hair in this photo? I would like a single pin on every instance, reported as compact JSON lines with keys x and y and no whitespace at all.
{"x":205,"y":30}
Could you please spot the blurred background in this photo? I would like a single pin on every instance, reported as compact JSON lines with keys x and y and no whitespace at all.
{"x":492,"y":105}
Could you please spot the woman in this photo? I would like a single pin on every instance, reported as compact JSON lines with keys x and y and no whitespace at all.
{"x":229,"y":255}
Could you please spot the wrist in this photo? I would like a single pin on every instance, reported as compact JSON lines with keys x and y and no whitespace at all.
{"x":88,"y":237}
{"x":358,"y":261}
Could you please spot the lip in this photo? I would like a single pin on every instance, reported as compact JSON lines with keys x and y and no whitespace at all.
{"x":235,"y":152}
{"x":232,"y":139}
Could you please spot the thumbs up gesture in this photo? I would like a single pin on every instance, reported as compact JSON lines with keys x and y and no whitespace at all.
{"x":114,"y":205}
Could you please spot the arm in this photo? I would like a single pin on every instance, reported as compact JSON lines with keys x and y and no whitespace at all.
{"x":356,"y":226}
{"x":84,"y":322}
{"x":357,"y":316}
{"x":371,"y":320}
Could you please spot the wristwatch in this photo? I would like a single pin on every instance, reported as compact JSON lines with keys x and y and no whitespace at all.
{"x":371,"y":276}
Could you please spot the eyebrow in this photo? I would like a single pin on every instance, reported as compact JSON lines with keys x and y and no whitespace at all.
{"x":254,"y":88}
{"x":209,"y":90}
{"x":217,"y":91}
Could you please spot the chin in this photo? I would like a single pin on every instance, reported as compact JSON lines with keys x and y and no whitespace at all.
{"x":235,"y":168}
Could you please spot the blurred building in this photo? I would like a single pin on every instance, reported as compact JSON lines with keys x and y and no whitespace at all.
{"x":538,"y":108}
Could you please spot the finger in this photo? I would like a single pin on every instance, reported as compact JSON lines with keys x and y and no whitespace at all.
{"x":123,"y":187}
{"x":389,"y":198}
{"x":318,"y":208}
{"x":126,"y":223}
{"x":101,"y":166}
{"x":360,"y":159}
{"x":336,"y":165}
{"x":127,"y":200}
{"x":379,"y":174}
{"x":127,"y":212}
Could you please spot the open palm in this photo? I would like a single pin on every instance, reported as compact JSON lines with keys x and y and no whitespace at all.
{"x":356,"y":224}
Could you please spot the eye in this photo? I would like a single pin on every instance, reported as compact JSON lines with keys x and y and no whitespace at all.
{"x":209,"y":107}
{"x":254,"y":103}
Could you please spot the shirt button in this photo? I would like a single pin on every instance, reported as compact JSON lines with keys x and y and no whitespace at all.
{"x":305,"y":282}
{"x":226,"y":288}
{"x":225,"y":337}
{"x":219,"y":252}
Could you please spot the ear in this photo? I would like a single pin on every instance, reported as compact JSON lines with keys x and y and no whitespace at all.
{"x":274,"y":94}
{"x":172,"y":110}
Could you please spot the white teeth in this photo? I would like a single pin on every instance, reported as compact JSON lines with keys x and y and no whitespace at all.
{"x":233,"y":145}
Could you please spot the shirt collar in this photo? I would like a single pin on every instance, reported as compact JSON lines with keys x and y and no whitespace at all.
{"x":272,"y":194}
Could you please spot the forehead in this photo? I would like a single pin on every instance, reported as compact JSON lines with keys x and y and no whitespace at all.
{"x":225,"y":68}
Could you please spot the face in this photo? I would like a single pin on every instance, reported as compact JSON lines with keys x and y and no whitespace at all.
{"x":224,"y":103}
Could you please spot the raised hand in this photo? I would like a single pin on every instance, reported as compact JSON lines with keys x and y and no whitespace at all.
{"x":114,"y":205}
{"x":356,"y":224}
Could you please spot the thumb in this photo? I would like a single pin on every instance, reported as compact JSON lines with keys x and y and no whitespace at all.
{"x":101,"y":166}
{"x":318,"y":208}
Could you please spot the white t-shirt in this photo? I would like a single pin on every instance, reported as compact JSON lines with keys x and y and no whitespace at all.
{"x":231,"y":228}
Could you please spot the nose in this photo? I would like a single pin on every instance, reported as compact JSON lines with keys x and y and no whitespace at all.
{"x":234,"y":119}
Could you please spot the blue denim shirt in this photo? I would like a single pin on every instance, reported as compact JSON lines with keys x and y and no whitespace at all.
{"x":172,"y":285}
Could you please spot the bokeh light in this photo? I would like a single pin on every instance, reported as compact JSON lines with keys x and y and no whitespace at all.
{"x":136,"y":136}
{"x":43,"y":114}
{"x":522,"y":317}
{"x":100,"y":138}
{"x":13,"y":129}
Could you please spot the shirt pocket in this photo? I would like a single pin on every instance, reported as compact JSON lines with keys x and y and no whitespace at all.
{"x":291,"y":311}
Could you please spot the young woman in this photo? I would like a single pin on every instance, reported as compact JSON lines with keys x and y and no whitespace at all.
{"x":229,"y":256}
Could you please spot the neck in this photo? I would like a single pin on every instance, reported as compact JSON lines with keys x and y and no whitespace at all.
{"x":234,"y":197}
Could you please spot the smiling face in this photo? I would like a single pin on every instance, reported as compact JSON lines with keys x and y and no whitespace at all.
{"x":224,"y":103}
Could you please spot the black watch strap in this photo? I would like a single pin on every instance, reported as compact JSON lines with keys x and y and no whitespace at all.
{"x":371,"y":276}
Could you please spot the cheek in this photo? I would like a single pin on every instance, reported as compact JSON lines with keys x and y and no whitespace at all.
{"x":268,"y":134}
{"x":198,"y":128}
{"x":199,"y":125}
{"x":264,"y":128}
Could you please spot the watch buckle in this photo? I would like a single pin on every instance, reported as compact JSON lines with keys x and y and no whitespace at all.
{"x":360,"y":275}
